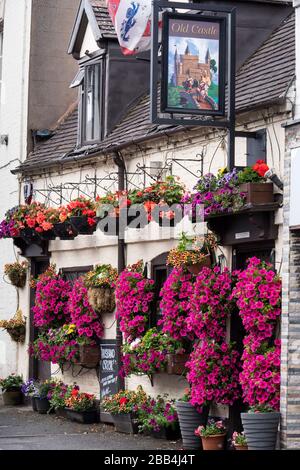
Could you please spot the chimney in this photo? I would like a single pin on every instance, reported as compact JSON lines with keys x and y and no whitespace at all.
{"x":296,"y":4}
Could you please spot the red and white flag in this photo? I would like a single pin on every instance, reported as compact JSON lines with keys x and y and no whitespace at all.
{"x":131,"y":19}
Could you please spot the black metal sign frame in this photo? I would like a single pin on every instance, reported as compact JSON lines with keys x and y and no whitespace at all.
{"x":177,"y":118}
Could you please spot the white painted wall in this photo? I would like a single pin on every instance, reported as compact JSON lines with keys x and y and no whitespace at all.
{"x":13,"y":122}
{"x":152,"y":241}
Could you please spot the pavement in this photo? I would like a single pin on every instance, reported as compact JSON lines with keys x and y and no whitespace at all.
{"x":23,"y":429}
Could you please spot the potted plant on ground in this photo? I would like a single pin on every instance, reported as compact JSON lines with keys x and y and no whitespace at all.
{"x":11,"y":388}
{"x":193,"y":253}
{"x":43,"y":396}
{"x":239,"y":441}
{"x":212,"y":435}
{"x":81,"y":407}
{"x":16,"y":273}
{"x":59,"y":394}
{"x":158,"y":417}
{"x":101,"y":282}
{"x":81,"y":213}
{"x":124,"y":407}
{"x":30,"y":390}
{"x":190,"y":418}
{"x":15,"y":327}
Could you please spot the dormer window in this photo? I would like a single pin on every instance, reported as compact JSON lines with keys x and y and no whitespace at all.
{"x":89,"y":78}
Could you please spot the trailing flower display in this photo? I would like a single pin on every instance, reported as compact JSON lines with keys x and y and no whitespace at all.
{"x":83,"y":316}
{"x":15,"y":327}
{"x":210,"y":304}
{"x":80,"y":401}
{"x":175,"y":304}
{"x":192,"y":250}
{"x":103,"y":275}
{"x":125,"y":401}
{"x":79,"y":207}
{"x":134,"y":294}
{"x":51,"y":307}
{"x":213,"y":374}
{"x":147,"y":355}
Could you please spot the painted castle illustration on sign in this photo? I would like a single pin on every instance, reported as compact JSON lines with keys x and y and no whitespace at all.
{"x":187,"y":66}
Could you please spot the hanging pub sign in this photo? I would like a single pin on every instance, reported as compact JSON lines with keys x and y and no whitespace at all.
{"x":193,"y":64}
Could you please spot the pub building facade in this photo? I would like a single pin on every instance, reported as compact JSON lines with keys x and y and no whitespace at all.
{"x":111,"y":119}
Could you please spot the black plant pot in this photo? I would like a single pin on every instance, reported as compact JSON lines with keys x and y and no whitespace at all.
{"x":48,"y":235}
{"x":65,"y":231}
{"x":189,"y":420}
{"x":81,"y":225}
{"x":83,"y":417}
{"x":169,"y":434}
{"x":61,"y":412}
{"x":33,"y":403}
{"x":42,"y":405}
{"x":125,"y":423}
{"x":261,"y":430}
{"x":30,"y":236}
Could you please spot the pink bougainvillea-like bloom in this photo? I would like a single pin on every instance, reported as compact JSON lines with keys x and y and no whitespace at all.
{"x":213,"y":374}
{"x":134,"y":295}
{"x":175,"y":304}
{"x":210,"y":304}
{"x":83,"y":316}
{"x":51,"y":302}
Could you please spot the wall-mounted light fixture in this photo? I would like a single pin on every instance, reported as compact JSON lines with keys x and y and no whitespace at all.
{"x":274,"y":178}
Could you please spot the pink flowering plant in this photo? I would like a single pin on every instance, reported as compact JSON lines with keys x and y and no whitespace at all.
{"x":210,"y":304}
{"x":258,"y":297}
{"x":148,"y":355}
{"x":213,"y":374}
{"x":213,"y":428}
{"x":156,"y":414}
{"x":175,"y":304}
{"x":134,"y":294}
{"x":51,"y":307}
{"x":85,"y":319}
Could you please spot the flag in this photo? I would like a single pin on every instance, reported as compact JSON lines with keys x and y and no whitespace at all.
{"x":131,"y":19}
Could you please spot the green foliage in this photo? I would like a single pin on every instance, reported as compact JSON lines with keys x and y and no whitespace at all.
{"x":248,"y":175}
{"x":11,"y":383}
{"x":173,"y":96}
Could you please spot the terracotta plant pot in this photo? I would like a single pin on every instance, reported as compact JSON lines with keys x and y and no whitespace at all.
{"x":89,"y":356}
{"x":81,"y":225}
{"x":102,"y":299}
{"x":189,"y":420}
{"x":216,"y":442}
{"x":196,"y":268}
{"x":125,"y":423}
{"x":65,"y":231}
{"x":261,"y":430}
{"x":83,"y":417}
{"x":240,"y":447}
{"x":176,"y":363}
{"x":12,"y":397}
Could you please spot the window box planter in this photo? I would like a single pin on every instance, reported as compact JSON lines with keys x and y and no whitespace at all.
{"x":65,"y":231}
{"x":216,"y":442}
{"x":125,"y":423}
{"x":12,"y":397}
{"x":48,"y":235}
{"x":89,"y":356}
{"x":81,"y":225}
{"x":83,"y":417}
{"x":167,"y":433}
{"x":176,"y":364}
{"x":261,"y":430}
{"x":257,"y":193}
{"x":102,"y":299}
{"x":30,"y":236}
{"x":189,"y":420}
{"x":61,"y":412}
{"x":240,"y":447}
{"x":42,"y":405}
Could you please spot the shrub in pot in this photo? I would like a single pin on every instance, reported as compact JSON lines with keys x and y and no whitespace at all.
{"x":212,"y":435}
{"x":124,"y":407}
{"x":101,"y":283}
{"x":16,"y":273}
{"x":81,"y":407}
{"x":11,"y":388}
{"x":190,"y":418}
{"x":30,"y":390}
{"x":239,"y":441}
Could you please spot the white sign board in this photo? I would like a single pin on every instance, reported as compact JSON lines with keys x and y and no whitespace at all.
{"x":295,"y":189}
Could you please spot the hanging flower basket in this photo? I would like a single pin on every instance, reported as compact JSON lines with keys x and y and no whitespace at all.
{"x":17,"y":333}
{"x":89,"y":356}
{"x":176,"y":364}
{"x":15,"y":327}
{"x":81,"y":225}
{"x":102,"y":299}
{"x":65,"y":231}
{"x":196,"y":268}
{"x":30,"y":236}
{"x":16,"y":273}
